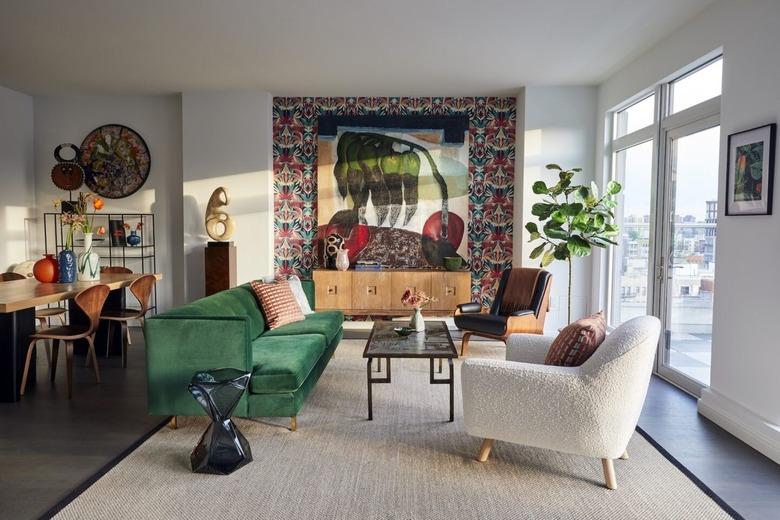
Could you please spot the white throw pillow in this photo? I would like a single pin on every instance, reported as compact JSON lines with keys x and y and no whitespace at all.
{"x":300,"y":296}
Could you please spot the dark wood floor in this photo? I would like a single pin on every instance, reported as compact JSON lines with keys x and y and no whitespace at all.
{"x":49,"y":446}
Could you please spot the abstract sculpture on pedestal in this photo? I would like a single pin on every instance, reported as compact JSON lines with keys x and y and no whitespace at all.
{"x":219,"y":225}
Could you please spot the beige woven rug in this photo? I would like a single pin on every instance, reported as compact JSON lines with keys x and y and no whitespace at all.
{"x":408,"y":463}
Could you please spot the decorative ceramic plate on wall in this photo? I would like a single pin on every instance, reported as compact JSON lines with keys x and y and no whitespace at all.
{"x":116,"y":161}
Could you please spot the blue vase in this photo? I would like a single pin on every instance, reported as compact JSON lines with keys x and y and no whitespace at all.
{"x":133,"y":239}
{"x":67,"y":263}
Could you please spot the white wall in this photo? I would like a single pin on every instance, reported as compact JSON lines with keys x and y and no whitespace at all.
{"x":17,"y":196}
{"x":227,"y":141}
{"x":558,"y":128}
{"x":743,"y":397}
{"x":158,"y":120}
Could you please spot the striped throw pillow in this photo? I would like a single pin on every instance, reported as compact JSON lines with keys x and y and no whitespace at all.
{"x":278,"y":303}
{"x":577,"y":342}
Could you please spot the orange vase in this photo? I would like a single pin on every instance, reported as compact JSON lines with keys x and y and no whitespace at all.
{"x":46,"y":270}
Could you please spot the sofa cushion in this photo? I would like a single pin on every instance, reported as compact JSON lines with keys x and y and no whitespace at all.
{"x":577,"y":342}
{"x":484,"y":323}
{"x":238,"y":301}
{"x":282,"y":363}
{"x":327,"y":323}
{"x":278,"y":302}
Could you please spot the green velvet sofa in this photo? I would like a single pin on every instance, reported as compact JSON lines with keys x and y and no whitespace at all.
{"x":228,"y":329}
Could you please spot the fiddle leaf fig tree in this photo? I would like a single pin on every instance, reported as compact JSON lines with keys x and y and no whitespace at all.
{"x":574,"y":219}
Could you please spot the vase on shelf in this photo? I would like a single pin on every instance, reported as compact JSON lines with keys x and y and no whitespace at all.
{"x":66,"y":261}
{"x":88,"y":263}
{"x":133,"y":239}
{"x":342,"y":259}
{"x":46,"y":269}
{"x":417,"y":322}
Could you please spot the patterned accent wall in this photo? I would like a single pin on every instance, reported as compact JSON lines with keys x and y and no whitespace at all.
{"x":491,"y":176}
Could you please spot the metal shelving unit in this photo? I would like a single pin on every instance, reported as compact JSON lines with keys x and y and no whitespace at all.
{"x":113,"y":251}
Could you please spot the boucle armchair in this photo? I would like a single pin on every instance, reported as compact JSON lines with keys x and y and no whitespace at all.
{"x":589,"y":410}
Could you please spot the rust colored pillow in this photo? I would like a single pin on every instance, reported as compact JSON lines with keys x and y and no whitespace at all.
{"x":278,"y":302}
{"x":577,"y":342}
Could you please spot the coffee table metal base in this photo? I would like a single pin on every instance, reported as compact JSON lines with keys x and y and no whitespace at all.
{"x":371,"y":379}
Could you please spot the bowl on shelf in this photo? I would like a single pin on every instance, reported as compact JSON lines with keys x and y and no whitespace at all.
{"x":453,"y":263}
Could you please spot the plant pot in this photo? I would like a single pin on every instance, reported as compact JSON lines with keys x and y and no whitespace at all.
{"x":417,"y":322}
{"x":46,"y":270}
{"x":67,"y":266}
{"x":88,"y":263}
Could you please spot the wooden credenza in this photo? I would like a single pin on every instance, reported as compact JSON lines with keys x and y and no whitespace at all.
{"x":379,"y":292}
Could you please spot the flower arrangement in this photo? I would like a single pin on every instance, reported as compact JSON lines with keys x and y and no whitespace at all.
{"x":78,"y":219}
{"x":416,"y":299}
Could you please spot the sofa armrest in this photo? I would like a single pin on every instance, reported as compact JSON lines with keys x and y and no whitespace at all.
{"x":528,"y":348}
{"x":179,"y":346}
{"x":464,"y":308}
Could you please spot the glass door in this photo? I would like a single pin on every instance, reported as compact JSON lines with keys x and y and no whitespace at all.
{"x":686,"y":267}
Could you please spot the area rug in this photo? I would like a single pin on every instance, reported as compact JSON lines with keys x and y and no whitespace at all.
{"x":408,"y":463}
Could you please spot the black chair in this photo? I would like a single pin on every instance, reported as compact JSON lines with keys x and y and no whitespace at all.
{"x":520,"y":306}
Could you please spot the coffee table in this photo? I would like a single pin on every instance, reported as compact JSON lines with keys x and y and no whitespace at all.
{"x":434,"y":343}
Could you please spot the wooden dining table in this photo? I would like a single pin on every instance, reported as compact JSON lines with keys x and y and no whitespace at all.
{"x":18,"y":300}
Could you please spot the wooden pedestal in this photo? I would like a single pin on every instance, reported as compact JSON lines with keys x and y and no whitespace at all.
{"x":220,"y":267}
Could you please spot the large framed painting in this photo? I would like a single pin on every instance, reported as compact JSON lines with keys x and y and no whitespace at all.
{"x":395,"y":188}
{"x":116,"y":161}
{"x":750,"y":170}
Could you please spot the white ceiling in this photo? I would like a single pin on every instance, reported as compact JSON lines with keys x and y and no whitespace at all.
{"x":325,"y":47}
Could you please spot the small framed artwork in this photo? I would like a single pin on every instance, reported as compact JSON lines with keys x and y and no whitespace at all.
{"x":750,"y":171}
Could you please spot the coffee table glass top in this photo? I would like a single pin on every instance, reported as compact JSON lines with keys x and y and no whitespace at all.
{"x":434,"y":342}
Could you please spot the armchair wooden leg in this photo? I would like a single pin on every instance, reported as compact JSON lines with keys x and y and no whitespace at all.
{"x":173,"y":424}
{"x":293,"y":423}
{"x":464,"y":346}
{"x":484,"y":450}
{"x":609,"y":473}
{"x":624,"y":456}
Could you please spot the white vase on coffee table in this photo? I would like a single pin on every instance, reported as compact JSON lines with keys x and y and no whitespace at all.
{"x":417,"y":322}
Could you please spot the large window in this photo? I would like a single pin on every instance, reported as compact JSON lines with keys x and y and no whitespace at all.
{"x":664,"y":150}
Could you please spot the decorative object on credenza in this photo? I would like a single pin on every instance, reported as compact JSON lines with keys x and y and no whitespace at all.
{"x":342,"y":259}
{"x":46,"y":269}
{"x":133,"y":239}
{"x":750,"y":171}
{"x":219,"y":225}
{"x":116,"y":230}
{"x":67,"y":174}
{"x":453,"y":263}
{"x":575,"y":218}
{"x":414,"y":170}
{"x":417,"y":300}
{"x":116,"y":161}
{"x":222,"y":448}
{"x":333,"y":243}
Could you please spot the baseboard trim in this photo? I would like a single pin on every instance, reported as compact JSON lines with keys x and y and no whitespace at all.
{"x":741,"y":423}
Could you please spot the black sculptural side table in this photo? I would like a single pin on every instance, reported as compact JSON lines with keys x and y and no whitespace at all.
{"x":222,"y":449}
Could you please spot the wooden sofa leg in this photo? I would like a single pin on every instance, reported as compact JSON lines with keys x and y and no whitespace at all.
{"x":464,"y":346}
{"x":293,"y":423}
{"x":624,"y":456}
{"x":484,"y":450}
{"x":173,"y":424}
{"x":609,"y":473}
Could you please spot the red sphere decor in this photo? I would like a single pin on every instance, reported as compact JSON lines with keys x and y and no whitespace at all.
{"x":46,"y":269}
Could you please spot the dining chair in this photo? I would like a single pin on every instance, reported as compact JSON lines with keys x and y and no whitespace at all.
{"x":90,"y":301}
{"x":42,"y":315}
{"x":116,"y":269}
{"x":141,"y":288}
